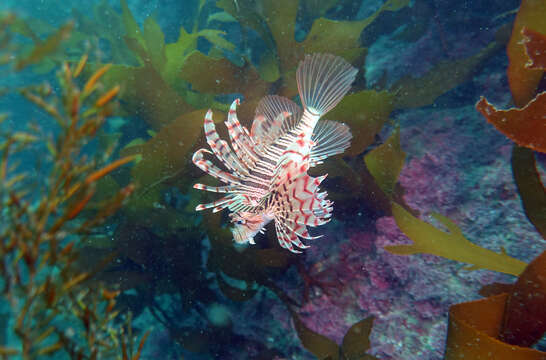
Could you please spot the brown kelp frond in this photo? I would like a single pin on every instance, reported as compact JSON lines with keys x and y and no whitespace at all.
{"x":525,"y":126}
{"x":535,"y":48}
{"x":505,"y":325}
{"x":354,"y":346}
{"x":54,"y":308}
{"x":530,"y":187}
{"x":522,"y":79}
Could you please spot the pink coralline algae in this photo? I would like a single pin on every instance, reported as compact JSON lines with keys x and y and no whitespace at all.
{"x":463,"y":174}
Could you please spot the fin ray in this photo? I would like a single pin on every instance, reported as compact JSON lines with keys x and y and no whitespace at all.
{"x":267,"y":125}
{"x":331,"y":138}
{"x":323,"y":80}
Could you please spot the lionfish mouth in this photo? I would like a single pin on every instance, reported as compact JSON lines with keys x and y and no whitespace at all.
{"x":239,"y":235}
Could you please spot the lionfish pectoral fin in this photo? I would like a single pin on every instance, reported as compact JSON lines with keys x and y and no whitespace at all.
{"x":199,"y":160}
{"x":216,"y":189}
{"x":221,"y":148}
{"x":323,"y":80}
{"x":300,"y":205}
{"x":217,"y":205}
{"x":331,"y":138}
{"x":241,"y":141}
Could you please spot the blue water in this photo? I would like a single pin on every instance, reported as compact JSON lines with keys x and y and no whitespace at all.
{"x":179,"y":275}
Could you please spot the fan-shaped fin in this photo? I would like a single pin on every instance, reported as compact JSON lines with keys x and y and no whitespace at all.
{"x":330,"y":138}
{"x":323,"y":80}
{"x":268,"y":125}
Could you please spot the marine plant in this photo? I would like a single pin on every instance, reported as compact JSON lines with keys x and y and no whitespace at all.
{"x":148,"y":68}
{"x":353,"y":347}
{"x":512,"y":318}
{"x":55,"y":308}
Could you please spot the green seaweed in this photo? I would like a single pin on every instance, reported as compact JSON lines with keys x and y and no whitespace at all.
{"x":275,"y":22}
{"x":450,"y":245}
{"x":152,"y":88}
{"x":386,"y":161}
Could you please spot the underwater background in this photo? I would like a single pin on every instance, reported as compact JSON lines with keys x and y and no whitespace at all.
{"x":436,"y":245}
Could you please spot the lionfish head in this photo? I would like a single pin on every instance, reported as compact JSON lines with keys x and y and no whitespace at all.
{"x":247,"y":225}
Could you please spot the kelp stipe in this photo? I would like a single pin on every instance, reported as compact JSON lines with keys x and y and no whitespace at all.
{"x":55,"y":310}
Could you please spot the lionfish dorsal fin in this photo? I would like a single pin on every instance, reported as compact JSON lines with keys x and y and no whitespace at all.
{"x":275,"y":116}
{"x":330,"y":138}
{"x":323,"y":80}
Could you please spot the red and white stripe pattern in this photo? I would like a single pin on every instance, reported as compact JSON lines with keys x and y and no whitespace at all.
{"x":266,"y":169}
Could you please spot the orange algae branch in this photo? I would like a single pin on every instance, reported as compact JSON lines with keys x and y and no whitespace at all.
{"x":93,"y":80}
{"x":450,"y":245}
{"x":476,"y":328}
{"x":525,"y":126}
{"x":105,"y":99}
{"x":535,"y":48}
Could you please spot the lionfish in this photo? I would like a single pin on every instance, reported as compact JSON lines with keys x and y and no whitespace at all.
{"x":266,"y":169}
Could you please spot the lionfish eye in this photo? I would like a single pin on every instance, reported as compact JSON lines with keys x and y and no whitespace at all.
{"x":240,"y":222}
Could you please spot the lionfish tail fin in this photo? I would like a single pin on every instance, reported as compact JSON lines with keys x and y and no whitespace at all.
{"x":323,"y":80}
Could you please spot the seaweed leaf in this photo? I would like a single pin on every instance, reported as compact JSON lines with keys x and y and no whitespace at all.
{"x":319,"y":345}
{"x":365,"y":112}
{"x":522,"y":80}
{"x":478,"y":329}
{"x":535,"y":48}
{"x":155,"y":43}
{"x":386,"y":161}
{"x":450,"y":245}
{"x":45,"y":48}
{"x":418,"y":92}
{"x":234,"y":293}
{"x":525,"y":126}
{"x":131,"y":27}
{"x":356,"y":341}
{"x":530,"y":187}
{"x":215,"y":37}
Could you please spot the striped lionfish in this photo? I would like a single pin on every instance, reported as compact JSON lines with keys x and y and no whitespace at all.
{"x":266,"y":169}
